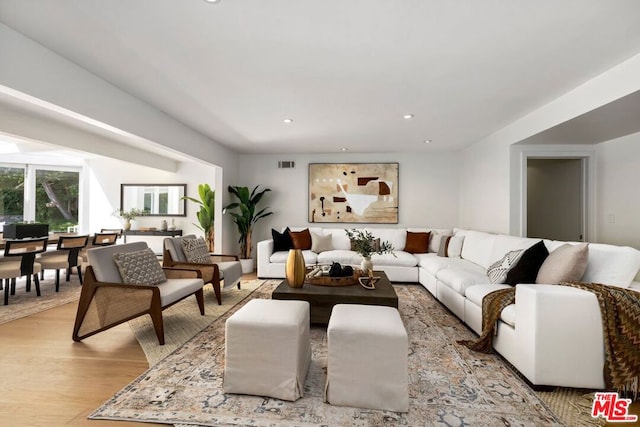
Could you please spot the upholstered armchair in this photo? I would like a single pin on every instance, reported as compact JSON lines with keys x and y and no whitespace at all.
{"x":126,"y":281}
{"x":214,"y":267}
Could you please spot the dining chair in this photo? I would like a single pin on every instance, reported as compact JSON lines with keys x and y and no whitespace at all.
{"x":65,"y":256}
{"x":118,"y":231}
{"x":97,"y":240}
{"x":24,"y":252}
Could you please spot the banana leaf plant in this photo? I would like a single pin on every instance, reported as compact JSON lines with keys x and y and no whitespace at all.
{"x":247,"y":214}
{"x":206,"y":214}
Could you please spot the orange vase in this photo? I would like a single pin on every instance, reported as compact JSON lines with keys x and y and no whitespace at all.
{"x":295,"y":269}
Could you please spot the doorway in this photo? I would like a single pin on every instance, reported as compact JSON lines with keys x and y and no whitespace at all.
{"x":555,"y":202}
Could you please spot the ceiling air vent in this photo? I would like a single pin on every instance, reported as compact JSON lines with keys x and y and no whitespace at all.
{"x":286,"y":164}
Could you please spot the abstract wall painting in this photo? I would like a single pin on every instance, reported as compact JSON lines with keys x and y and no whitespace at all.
{"x":353,"y":192}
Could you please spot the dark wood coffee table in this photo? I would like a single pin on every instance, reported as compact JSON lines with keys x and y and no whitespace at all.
{"x":323,"y":298}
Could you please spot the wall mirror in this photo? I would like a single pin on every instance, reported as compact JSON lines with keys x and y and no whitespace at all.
{"x":154,"y":199}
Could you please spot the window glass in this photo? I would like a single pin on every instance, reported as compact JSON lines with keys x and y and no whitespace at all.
{"x":11,"y":195}
{"x":57,"y":199}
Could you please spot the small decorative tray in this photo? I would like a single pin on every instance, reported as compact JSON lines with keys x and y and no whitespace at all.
{"x":326,"y":280}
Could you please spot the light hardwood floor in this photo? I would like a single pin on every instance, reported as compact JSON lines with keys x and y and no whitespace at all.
{"x":49,"y":380}
{"x":46,"y":379}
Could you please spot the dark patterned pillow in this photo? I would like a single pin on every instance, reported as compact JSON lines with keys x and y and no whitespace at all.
{"x":497,"y":271}
{"x":281,"y":241}
{"x":196,"y":250}
{"x":139,"y":267}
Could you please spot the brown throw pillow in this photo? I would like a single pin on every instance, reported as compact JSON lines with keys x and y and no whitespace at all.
{"x":417,"y":243}
{"x":301,"y":239}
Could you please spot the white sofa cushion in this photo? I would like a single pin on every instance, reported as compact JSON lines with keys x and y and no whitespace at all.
{"x":396,"y":236}
{"x":401,"y":259}
{"x":280,"y":257}
{"x":611,"y":265}
{"x":432,"y":262}
{"x":503,"y":244}
{"x":344,"y":257}
{"x":475,"y":294}
{"x":459,"y":279}
{"x":477,"y":247}
{"x":508,"y":315}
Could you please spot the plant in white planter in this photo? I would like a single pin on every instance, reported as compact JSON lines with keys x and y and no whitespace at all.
{"x":245,"y":218}
{"x":206,"y":214}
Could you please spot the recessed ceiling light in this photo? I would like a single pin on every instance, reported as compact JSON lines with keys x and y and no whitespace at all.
{"x":344,"y":149}
{"x":288,"y":120}
{"x":407,"y":116}
{"x":212,"y":1}
{"x":427,"y":141}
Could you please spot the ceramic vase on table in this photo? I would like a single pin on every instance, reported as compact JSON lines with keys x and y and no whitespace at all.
{"x":366,"y":264}
{"x":295,"y":268}
{"x":127,"y":224}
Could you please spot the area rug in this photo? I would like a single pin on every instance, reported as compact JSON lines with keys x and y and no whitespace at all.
{"x":448,"y":385}
{"x":183,"y":320}
{"x":24,"y":303}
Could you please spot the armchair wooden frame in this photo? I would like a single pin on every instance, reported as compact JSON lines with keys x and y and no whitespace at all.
{"x":125,"y":302}
{"x":210,"y":272}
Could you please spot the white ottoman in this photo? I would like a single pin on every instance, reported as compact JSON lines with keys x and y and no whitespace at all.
{"x":267,"y":349}
{"x":367,"y":358}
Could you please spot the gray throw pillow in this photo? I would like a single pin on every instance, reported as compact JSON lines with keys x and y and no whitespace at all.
{"x":139,"y":267}
{"x":196,"y":251}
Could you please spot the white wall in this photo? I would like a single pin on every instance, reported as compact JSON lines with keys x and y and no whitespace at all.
{"x":428,"y":187}
{"x":490,"y":194}
{"x":105,"y":177}
{"x":618,"y":177}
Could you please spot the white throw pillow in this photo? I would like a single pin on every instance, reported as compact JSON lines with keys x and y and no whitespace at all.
{"x":497,"y":271}
{"x":454,"y":250}
{"x":321,"y":243}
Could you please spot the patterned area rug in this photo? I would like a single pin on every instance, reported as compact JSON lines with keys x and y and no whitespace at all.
{"x":183,"y":320}
{"x":24,"y":303}
{"x":449,"y":384}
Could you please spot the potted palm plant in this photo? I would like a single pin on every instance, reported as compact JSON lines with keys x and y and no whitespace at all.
{"x":206,"y":214}
{"x":245,"y":217}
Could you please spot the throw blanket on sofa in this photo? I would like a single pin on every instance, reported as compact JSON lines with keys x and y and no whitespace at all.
{"x":620,"y":310}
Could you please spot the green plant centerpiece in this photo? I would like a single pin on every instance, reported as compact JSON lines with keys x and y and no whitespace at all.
{"x":206,"y":215}
{"x":246,"y":214}
{"x":128,"y":216}
{"x":363,"y":242}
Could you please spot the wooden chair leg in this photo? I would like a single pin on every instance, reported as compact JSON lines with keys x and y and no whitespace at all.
{"x":216,"y":289}
{"x":80,"y":274}
{"x":6,"y":291}
{"x":42,"y":274}
{"x":156,"y":318}
{"x":57,"y":280}
{"x":238,"y":284}
{"x":68,"y":273}
{"x":37,"y":283}
{"x":200,"y":298}
{"x":28,"y":286}
{"x":13,"y":286}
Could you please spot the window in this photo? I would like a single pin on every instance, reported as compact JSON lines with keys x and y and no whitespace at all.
{"x":11,"y":195}
{"x":41,"y":194}
{"x":57,"y":198}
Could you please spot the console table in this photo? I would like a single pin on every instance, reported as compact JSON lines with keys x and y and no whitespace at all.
{"x":166,"y":233}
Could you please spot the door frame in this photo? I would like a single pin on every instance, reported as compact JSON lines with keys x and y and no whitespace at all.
{"x":519,"y":209}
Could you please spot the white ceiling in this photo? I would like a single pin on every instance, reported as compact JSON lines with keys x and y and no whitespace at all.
{"x":344,"y":71}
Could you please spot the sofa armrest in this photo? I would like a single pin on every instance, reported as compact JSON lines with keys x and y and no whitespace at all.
{"x":265,"y":250}
{"x":559,"y":338}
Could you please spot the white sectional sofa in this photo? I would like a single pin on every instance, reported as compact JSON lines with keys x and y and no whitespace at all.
{"x":552,"y":334}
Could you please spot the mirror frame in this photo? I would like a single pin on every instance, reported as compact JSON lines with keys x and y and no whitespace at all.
{"x":184,"y":201}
